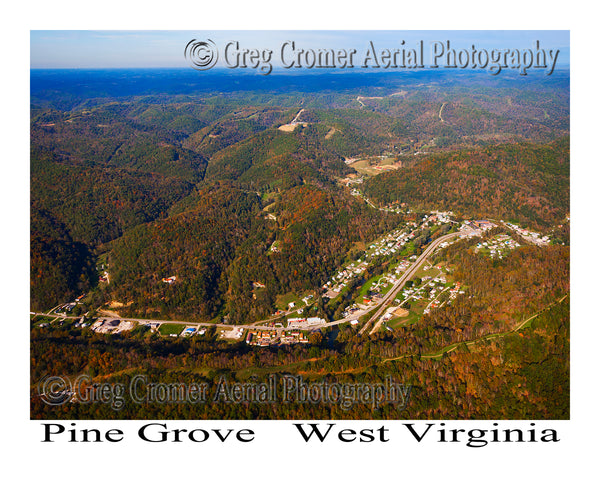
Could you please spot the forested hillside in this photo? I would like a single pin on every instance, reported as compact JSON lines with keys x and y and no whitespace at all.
{"x":220,"y":244}
{"x":133,"y":171}
{"x":523,"y":183}
{"x":232,"y":202}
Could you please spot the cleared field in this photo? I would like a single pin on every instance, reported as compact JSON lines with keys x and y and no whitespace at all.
{"x":400,"y":312}
{"x":364,"y":166}
{"x":288,"y":127}
{"x":170,"y":329}
{"x":410,"y":318}
{"x":232,"y":334}
{"x":418,"y":306}
{"x":367,"y":286}
{"x":282,"y":301}
{"x":330,"y":133}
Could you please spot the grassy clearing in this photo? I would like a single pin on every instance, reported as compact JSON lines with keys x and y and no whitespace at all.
{"x":387,"y":288}
{"x":170,"y":328}
{"x":398,"y":322}
{"x":367,"y":286}
{"x":364,"y":167}
{"x":282,"y":301}
{"x":409,"y":249}
{"x":418,"y":306}
{"x":37,"y":320}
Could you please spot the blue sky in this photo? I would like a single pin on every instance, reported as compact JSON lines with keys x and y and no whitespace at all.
{"x":164,"y":49}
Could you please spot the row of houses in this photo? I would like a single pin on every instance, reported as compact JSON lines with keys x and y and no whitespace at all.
{"x":265,"y":338}
{"x":530,"y":235}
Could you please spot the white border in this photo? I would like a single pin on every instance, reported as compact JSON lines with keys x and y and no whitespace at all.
{"x":279,"y":453}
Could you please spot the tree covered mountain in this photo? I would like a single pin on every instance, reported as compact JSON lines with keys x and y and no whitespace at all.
{"x":155,"y":175}
{"x":119,"y":171}
{"x":221,"y":243}
{"x":524,"y":183}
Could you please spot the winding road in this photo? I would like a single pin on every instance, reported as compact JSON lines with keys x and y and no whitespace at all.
{"x":440,"y":113}
{"x":387,"y":300}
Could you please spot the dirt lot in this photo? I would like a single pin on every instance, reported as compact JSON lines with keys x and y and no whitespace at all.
{"x":400,"y":312}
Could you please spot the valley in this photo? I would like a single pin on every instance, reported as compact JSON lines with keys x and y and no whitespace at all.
{"x":353,"y":227}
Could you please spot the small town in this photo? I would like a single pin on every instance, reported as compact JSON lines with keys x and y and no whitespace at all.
{"x":409,"y":288}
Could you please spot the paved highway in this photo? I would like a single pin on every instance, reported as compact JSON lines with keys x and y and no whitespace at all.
{"x":389,"y":298}
{"x":146,"y":321}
